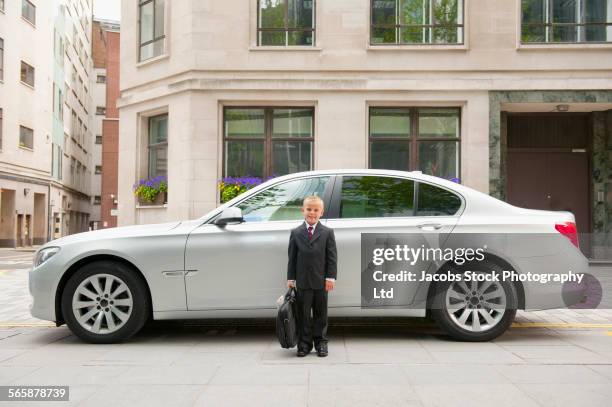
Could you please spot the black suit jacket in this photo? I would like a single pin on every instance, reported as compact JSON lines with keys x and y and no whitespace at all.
{"x":312,"y":261}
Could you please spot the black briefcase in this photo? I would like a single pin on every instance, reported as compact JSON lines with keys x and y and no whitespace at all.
{"x":286,"y":324}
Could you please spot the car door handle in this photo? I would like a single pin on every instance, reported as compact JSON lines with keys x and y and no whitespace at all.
{"x":430,"y":226}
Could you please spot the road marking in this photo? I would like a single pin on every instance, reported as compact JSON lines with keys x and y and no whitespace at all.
{"x":558,"y":325}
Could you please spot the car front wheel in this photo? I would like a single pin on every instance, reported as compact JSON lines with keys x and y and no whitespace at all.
{"x":105,"y":302}
{"x":475,"y":310}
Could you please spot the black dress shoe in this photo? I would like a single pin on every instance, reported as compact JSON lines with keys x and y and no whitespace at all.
{"x":301,"y":353}
{"x":322,"y":352}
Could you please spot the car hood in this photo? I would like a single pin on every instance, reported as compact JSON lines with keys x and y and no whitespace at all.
{"x":117,"y":232}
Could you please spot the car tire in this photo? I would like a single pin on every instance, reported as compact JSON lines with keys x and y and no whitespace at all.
{"x":481,"y":316}
{"x":105,"y":302}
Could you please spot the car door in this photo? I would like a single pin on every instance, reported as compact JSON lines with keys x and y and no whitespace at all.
{"x":384,"y":204}
{"x":245,"y":265}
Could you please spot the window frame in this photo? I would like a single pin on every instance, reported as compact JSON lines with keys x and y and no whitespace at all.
{"x":398,"y":27}
{"x":33,"y":85}
{"x":286,"y":30}
{"x":414,"y":139}
{"x":334,"y":207}
{"x":1,"y":59}
{"x":267,"y":139}
{"x":32,"y":6}
{"x":21,"y":126}
{"x":549,"y":25}
{"x":156,"y":146}
{"x":140,"y":5}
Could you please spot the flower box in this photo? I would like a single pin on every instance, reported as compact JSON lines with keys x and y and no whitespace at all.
{"x":152,"y":191}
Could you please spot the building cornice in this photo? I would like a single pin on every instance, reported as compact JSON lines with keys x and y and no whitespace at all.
{"x":472,"y":81}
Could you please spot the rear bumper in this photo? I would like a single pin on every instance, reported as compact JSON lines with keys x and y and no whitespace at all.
{"x":553,"y":294}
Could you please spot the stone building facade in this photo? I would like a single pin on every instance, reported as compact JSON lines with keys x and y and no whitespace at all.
{"x":485,"y":91}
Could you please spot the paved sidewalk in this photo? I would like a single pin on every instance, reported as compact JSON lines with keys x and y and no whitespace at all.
{"x":190,"y":365}
{"x":547,"y":358}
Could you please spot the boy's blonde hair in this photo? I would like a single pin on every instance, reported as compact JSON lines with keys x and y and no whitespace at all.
{"x":313,"y":198}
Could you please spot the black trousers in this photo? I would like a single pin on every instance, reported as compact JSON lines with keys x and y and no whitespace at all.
{"x":312,"y":329}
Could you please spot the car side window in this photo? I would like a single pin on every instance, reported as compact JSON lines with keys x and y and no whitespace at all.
{"x":376,"y":196}
{"x":435,"y":201}
{"x":282,"y":202}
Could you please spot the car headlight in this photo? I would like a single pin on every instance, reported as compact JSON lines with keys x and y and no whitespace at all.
{"x":44,"y":255}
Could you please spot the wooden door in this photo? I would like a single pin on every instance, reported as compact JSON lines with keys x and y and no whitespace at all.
{"x":548,"y":165}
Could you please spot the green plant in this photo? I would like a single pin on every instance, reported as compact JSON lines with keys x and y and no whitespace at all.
{"x":148,"y":189}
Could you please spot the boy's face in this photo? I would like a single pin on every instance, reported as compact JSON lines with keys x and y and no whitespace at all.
{"x":312,"y":211}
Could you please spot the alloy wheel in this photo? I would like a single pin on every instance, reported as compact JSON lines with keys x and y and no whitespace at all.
{"x":102,"y":303}
{"x":476,"y":306}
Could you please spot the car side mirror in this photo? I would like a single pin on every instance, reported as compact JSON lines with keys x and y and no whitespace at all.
{"x":229,"y":215}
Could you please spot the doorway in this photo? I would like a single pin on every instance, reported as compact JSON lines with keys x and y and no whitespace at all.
{"x":548,"y":165}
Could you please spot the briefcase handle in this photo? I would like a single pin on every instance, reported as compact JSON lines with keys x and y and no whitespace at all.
{"x":291,"y":294}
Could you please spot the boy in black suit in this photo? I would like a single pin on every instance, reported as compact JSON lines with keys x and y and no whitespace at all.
{"x":312,"y":270}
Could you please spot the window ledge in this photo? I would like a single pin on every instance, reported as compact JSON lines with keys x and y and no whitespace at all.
{"x":284,"y":48}
{"x":553,"y":46}
{"x":27,"y":85}
{"x":414,"y":47}
{"x":26,"y":148}
{"x":138,"y":206}
{"x":152,"y":60}
{"x":28,"y":21}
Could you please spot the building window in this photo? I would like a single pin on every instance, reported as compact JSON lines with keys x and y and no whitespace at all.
{"x":97,"y":200}
{"x":28,"y":11}
{"x":101,"y":79}
{"x":266,"y":142}
{"x":1,"y":128}
{"x":286,"y":22}
{"x":98,"y":139}
{"x":566,"y":21}
{"x":27,"y":74}
{"x":151,"y":22}
{"x":1,"y":5}
{"x":26,"y":137}
{"x":98,"y":169}
{"x":60,"y":107}
{"x":423,"y":139}
{"x":158,"y":145}
{"x":100,"y":110}
{"x":416,"y":22}
{"x":1,"y":59}
{"x":60,"y":162}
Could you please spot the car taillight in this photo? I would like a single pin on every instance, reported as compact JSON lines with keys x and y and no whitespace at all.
{"x":568,"y":229}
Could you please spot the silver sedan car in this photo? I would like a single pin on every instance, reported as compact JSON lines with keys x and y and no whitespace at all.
{"x":232,"y":262}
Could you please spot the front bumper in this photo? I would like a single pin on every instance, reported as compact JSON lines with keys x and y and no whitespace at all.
{"x":42,"y":285}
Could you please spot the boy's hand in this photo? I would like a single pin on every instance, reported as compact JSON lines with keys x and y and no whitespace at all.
{"x":290,"y":283}
{"x":329,"y":285}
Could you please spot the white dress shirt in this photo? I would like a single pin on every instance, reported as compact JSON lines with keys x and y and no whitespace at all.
{"x":306,"y":224}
